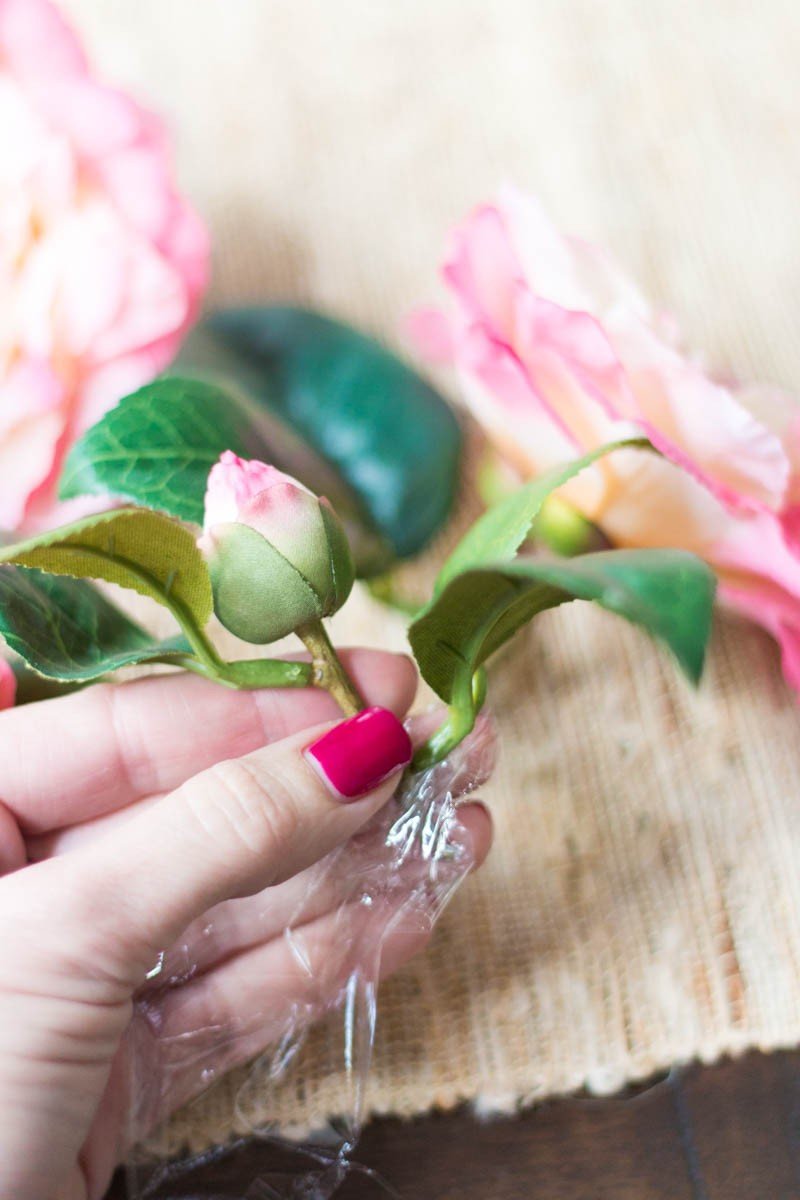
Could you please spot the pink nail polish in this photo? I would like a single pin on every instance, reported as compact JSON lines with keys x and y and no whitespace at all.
{"x":359,"y":753}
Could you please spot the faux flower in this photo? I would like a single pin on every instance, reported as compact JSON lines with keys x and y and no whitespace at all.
{"x":278,"y":555}
{"x":557,"y":352}
{"x":102,"y":262}
{"x":8,"y":685}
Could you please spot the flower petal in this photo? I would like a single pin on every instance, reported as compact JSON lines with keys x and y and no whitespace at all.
{"x":698,"y":423}
{"x":8,"y":684}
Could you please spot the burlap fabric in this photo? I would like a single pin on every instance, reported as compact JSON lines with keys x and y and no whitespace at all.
{"x":642,"y":903}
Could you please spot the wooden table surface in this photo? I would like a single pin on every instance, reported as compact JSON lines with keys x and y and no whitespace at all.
{"x":727,"y":1132}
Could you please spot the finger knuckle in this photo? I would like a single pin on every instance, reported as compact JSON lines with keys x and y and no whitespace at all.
{"x":253,"y":808}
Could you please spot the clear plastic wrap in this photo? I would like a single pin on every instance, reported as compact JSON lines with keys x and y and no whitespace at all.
{"x":303,"y":950}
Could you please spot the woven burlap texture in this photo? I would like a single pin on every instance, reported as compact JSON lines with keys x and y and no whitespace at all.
{"x":641,"y":904}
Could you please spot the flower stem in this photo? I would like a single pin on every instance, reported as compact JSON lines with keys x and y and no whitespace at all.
{"x":468,"y":698}
{"x":268,"y":673}
{"x":328,"y":671}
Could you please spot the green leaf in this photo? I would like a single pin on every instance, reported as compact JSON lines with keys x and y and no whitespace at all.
{"x":65,"y":629}
{"x":311,"y":395}
{"x":131,"y":547}
{"x":158,"y":445}
{"x":498,"y":534}
{"x":669,"y":593}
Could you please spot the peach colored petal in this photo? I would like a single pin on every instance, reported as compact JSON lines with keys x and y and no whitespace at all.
{"x":649,"y":501}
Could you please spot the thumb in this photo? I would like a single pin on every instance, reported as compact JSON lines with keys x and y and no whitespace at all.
{"x":236,"y":828}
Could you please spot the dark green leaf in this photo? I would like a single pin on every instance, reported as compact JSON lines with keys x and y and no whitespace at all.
{"x":66,"y":630}
{"x":131,"y":547}
{"x":669,"y":593}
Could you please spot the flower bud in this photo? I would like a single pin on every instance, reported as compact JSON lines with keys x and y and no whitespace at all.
{"x":277,"y":554}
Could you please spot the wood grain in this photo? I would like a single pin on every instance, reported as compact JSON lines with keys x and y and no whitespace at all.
{"x":728,"y":1132}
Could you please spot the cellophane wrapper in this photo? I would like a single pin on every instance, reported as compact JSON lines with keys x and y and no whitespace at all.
{"x":396,"y":875}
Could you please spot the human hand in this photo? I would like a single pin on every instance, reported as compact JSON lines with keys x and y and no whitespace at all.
{"x":126,"y":812}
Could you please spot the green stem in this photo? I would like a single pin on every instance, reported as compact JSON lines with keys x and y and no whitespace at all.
{"x":203,"y":648}
{"x":268,"y":672}
{"x":327,"y":669}
{"x":467,"y":703}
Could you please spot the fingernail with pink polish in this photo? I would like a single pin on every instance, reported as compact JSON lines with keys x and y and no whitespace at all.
{"x":359,"y":753}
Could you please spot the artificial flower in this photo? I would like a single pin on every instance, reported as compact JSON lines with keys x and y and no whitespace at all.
{"x":102,"y":262}
{"x":278,"y":555}
{"x":557,"y":352}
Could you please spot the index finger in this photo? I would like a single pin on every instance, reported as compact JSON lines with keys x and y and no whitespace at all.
{"x":76,"y":757}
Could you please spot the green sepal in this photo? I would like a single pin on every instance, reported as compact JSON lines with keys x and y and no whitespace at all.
{"x":342,"y":567}
{"x":258,"y":594}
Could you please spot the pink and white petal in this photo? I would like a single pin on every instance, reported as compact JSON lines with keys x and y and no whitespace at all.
{"x":187,"y":246}
{"x":136,"y":179}
{"x":698,"y":423}
{"x":8,"y":685}
{"x":790,"y":521}
{"x":498,"y":391}
{"x":98,"y":120}
{"x":36,"y":41}
{"x":107,"y":383}
{"x":285,"y":513}
{"x":31,"y":388}
{"x":779,"y":411}
{"x":33,"y":407}
{"x":778,"y":613}
{"x":26,"y":459}
{"x":74,"y":284}
{"x":234,"y":483}
{"x":754,"y":546}
{"x":543,"y":255}
{"x":430,"y":333}
{"x":45,"y":511}
{"x":290,"y":518}
{"x":155,"y":306}
{"x":96,"y":289}
{"x":482,"y":270}
{"x":565,"y":270}
{"x":572,"y":368}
